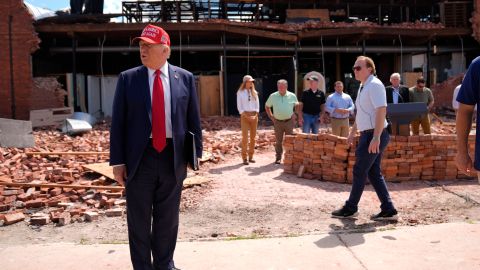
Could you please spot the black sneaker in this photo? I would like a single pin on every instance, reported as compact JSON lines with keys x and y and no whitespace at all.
{"x":344,"y":213}
{"x":277,"y":161}
{"x":390,"y":215}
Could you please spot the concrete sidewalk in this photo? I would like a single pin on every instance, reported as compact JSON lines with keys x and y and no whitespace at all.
{"x":444,"y":246}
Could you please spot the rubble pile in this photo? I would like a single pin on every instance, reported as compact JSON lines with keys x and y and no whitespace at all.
{"x":222,"y":136}
{"x":54,"y":186}
{"x":443,"y":92}
{"x":312,"y":25}
{"x":47,"y":93}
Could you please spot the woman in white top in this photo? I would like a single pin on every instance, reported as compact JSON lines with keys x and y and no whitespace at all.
{"x":248,"y":107}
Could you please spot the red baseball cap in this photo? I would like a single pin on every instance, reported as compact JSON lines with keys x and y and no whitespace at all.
{"x":154,"y":35}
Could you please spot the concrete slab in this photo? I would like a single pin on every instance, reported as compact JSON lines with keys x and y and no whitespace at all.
{"x":444,"y":246}
{"x":16,"y":133}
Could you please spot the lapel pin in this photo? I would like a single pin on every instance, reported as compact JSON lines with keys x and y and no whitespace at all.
{"x":176,"y":76}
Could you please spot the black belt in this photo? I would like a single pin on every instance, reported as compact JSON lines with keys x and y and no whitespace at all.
{"x":370,"y":131}
{"x":285,"y":120}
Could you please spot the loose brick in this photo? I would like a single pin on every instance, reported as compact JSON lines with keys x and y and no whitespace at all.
{"x":91,"y":216}
{"x":115,"y":212}
{"x":39,"y":219}
{"x":13,"y":218}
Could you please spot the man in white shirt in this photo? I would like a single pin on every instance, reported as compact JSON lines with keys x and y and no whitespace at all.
{"x":371,"y":106}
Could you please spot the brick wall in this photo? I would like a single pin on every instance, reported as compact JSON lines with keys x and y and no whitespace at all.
{"x":47,"y":93}
{"x":327,"y":157}
{"x":475,"y":20}
{"x":24,"y":43}
{"x":443,"y":92}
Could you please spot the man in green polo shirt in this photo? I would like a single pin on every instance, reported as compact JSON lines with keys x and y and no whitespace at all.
{"x":420,"y":93}
{"x":283,"y":104}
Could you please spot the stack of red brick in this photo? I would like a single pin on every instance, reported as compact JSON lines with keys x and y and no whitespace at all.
{"x":327,"y":157}
{"x":322,"y":156}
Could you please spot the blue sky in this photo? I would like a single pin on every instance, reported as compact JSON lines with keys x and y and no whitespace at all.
{"x":109,"y":6}
{"x":50,"y":4}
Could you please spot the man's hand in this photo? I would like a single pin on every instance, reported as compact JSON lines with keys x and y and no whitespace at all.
{"x":342,"y":111}
{"x":374,"y":146}
{"x":464,"y":163}
{"x":120,"y":174}
{"x":351,"y":138}
{"x":300,"y":121}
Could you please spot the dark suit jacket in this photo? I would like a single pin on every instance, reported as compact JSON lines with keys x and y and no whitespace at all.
{"x":403,"y":94}
{"x":131,"y":124}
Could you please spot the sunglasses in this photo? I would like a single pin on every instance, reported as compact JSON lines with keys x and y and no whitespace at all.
{"x":357,"y":68}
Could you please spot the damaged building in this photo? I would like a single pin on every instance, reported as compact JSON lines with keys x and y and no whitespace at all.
{"x":220,"y":41}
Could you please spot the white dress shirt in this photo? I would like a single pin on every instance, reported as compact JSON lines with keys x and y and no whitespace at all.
{"x":246,"y":102}
{"x":395,"y":94}
{"x":371,"y":96}
{"x":166,"y":96}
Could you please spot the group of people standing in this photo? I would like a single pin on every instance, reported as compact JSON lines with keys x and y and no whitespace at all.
{"x":156,"y":107}
{"x":397,"y":93}
{"x":282,"y":107}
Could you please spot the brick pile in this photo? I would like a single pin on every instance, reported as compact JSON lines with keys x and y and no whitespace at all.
{"x":322,"y":156}
{"x":312,"y":25}
{"x":221,"y":138}
{"x":328,"y":158}
{"x":62,"y":205}
{"x":57,"y":204}
{"x":443,"y":92}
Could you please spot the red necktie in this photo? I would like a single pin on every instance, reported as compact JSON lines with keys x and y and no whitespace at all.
{"x":158,"y":114}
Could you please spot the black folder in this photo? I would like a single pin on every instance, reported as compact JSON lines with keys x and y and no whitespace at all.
{"x":191,"y":151}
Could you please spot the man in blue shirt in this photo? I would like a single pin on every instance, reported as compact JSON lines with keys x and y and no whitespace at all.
{"x":468,"y":97}
{"x":339,"y":105}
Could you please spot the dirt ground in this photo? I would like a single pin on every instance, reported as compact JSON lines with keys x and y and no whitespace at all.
{"x":259,"y":200}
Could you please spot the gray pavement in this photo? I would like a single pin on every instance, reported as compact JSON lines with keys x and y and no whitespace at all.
{"x":443,"y":246}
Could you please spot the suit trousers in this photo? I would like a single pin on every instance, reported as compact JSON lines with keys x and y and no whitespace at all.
{"x":153,"y":201}
{"x":249,"y":122}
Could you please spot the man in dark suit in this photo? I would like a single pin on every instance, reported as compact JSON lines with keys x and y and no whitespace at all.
{"x":396,"y":93}
{"x":155,"y":105}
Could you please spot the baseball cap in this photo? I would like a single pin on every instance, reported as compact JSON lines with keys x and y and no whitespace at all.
{"x":313,"y":78}
{"x":154,"y":35}
{"x":248,"y":78}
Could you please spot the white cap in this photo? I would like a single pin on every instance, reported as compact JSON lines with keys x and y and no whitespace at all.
{"x":248,"y":78}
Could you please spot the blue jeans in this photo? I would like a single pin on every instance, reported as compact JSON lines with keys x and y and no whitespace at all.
{"x":310,"y":123}
{"x":367,"y":164}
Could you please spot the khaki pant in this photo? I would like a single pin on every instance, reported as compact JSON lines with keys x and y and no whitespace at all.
{"x":425,"y":122}
{"x":281,"y":128}
{"x":340,"y":126}
{"x":249,"y":122}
